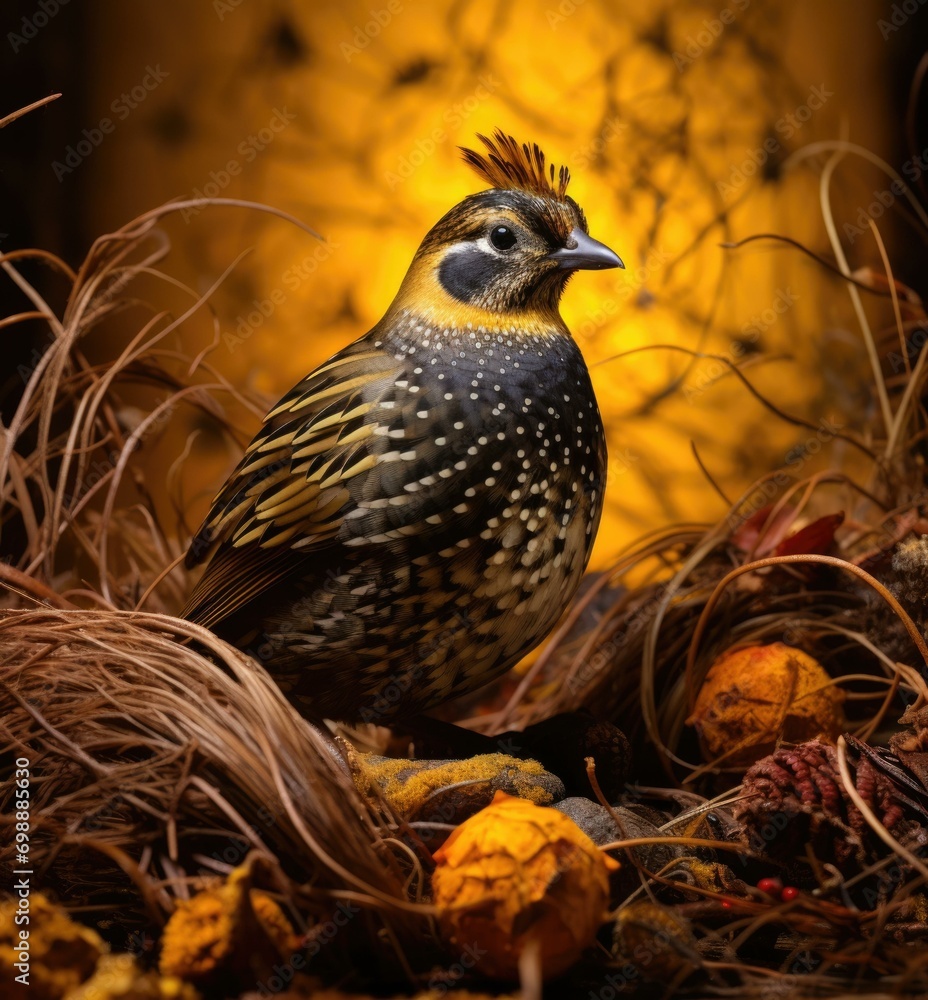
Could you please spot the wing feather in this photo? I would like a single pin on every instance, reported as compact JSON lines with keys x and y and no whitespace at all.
{"x":289,"y":486}
{"x":351,"y":458}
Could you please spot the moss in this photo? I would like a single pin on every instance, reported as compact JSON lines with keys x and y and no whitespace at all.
{"x":214,"y":931}
{"x":62,"y":953}
{"x":118,"y":977}
{"x":408,"y":785}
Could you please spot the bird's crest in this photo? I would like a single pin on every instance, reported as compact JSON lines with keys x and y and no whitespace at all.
{"x":509,"y":164}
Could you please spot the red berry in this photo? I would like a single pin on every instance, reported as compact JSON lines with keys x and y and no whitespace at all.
{"x":772,"y":886}
{"x":789,"y":893}
{"x":726,"y":904}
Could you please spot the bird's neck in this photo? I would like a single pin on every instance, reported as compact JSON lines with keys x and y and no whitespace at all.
{"x":422,"y":294}
{"x":470,"y":351}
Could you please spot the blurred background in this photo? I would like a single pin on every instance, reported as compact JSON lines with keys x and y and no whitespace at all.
{"x":685,"y":125}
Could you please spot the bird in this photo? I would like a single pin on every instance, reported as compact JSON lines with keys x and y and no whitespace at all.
{"x":416,"y":514}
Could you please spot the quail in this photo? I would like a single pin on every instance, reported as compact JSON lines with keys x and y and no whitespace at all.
{"x":415,"y":514}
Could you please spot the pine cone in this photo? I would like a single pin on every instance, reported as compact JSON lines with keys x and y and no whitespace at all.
{"x":910,"y":568}
{"x":796,"y":797}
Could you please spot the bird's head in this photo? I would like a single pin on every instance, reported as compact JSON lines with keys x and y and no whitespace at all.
{"x":507,"y":252}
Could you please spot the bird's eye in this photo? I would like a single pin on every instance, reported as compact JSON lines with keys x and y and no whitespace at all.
{"x":502,"y":237}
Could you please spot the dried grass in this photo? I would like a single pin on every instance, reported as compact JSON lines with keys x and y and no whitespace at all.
{"x":159,"y":750}
{"x":161,"y":755}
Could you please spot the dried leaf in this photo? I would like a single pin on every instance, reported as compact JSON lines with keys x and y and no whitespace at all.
{"x":761,"y":535}
{"x":228,"y":931}
{"x":516,"y":872}
{"x":817,"y":537}
{"x":754,"y":696}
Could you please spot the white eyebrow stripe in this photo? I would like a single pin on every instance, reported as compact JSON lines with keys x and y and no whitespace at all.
{"x":483,"y":244}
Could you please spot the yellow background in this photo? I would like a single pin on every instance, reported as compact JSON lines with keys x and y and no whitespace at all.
{"x":651,"y":106}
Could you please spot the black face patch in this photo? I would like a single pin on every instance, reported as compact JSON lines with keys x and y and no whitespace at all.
{"x":466,"y":273}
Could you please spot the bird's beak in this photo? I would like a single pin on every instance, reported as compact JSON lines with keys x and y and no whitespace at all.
{"x":583,"y":253}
